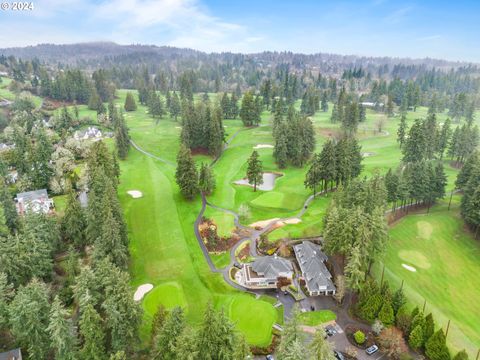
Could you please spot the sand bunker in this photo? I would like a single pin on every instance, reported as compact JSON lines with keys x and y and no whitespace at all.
{"x":141,"y":291}
{"x":277,"y":223}
{"x":368,"y":154}
{"x":263,"y":223}
{"x":263,"y":146}
{"x":409,"y":268}
{"x":292,"y":221}
{"x":135,"y":194}
{"x":178,"y":127}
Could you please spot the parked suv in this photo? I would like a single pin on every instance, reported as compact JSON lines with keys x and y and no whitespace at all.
{"x":372,"y":350}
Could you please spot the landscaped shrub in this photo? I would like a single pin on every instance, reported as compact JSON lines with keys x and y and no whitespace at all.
{"x":359,"y":337}
{"x":377,"y":327}
{"x":293,"y":288}
{"x":386,"y":315}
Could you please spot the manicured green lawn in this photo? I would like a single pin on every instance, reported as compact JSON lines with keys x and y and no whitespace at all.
{"x":221,"y":260}
{"x":254,"y":318}
{"x":223,"y":220}
{"x":446,"y":259}
{"x":163,"y":246}
{"x":314,"y":318}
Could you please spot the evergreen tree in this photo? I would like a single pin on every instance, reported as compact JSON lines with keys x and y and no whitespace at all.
{"x":158,"y":322}
{"x":416,"y":339}
{"x":61,"y":331}
{"x":429,"y":328}
{"x":248,"y":110}
{"x":92,"y":333}
{"x":206,"y":179}
{"x":254,"y":171}
{"x":461,"y":355}
{"x":324,"y":104}
{"x":386,"y":314}
{"x":122,"y":139}
{"x":320,"y":347}
{"x":436,"y":348}
{"x":29,"y":317}
{"x":186,"y":173}
{"x":175,"y":106}
{"x":73,"y":222}
{"x":290,"y":335}
{"x":402,"y":129}
{"x":353,"y":270}
{"x":280,"y":151}
{"x":130,"y":104}
{"x":313,"y":177}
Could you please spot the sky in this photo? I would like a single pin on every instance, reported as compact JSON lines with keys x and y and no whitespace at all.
{"x":417,"y":29}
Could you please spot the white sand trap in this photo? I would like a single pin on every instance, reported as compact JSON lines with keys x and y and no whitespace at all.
{"x":263,"y":223}
{"x":292,"y":221}
{"x":263,"y":146}
{"x":135,"y":194}
{"x":409,"y":268}
{"x":178,"y":127}
{"x":368,"y":154}
{"x":141,"y":291}
{"x":278,"y":223}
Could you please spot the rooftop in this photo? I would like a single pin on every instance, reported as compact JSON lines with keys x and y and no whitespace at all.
{"x":311,"y":260}
{"x":272,"y":266}
{"x":15,"y":354}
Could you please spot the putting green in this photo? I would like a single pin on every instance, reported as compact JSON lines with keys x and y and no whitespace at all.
{"x":168,"y":294}
{"x":254,"y":318}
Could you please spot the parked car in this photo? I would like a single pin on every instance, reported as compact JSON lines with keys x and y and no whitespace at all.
{"x":372,"y":350}
{"x":330,"y":331}
{"x":237,"y":265}
{"x":338,"y":355}
{"x":269,"y":357}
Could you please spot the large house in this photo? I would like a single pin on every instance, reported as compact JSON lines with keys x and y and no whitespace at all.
{"x":311,"y":260}
{"x":34,"y":201}
{"x":90,"y":133}
{"x":266,"y":272}
{"x":15,"y":354}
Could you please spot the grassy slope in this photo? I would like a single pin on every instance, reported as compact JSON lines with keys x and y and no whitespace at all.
{"x":446,"y":259}
{"x":314,"y":318}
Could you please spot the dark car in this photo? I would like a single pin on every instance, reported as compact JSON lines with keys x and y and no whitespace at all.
{"x":338,"y":355}
{"x":330,"y":331}
{"x":269,"y":357}
{"x":237,"y":265}
{"x":372,"y":350}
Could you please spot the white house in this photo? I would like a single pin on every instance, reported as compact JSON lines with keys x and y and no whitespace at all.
{"x":91,"y":132}
{"x":34,"y":201}
{"x":265,"y":272}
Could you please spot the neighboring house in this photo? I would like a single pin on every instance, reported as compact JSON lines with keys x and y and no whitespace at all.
{"x":266,"y":272}
{"x":311,"y":260}
{"x":15,"y":354}
{"x":34,"y":201}
{"x":371,"y":104}
{"x":4,"y":147}
{"x":5,"y":103}
{"x":91,"y":133}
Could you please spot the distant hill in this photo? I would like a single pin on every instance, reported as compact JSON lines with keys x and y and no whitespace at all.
{"x":99,"y":53}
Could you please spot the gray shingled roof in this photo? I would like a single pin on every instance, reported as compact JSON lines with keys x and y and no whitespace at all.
{"x":14,"y":354}
{"x":311,"y":260}
{"x":271,"y":266}
{"x":33,"y":195}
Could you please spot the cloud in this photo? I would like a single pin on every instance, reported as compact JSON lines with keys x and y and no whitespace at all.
{"x":398,"y":15}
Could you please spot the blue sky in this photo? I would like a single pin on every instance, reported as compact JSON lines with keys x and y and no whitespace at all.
{"x":440,"y":29}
